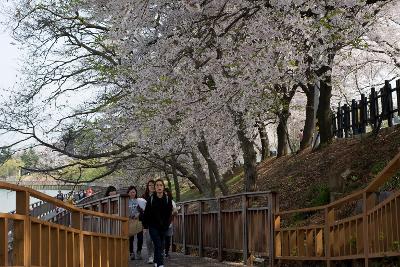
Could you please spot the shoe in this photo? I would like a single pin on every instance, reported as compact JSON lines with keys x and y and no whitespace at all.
{"x":151,"y":260}
{"x":139,"y":255}
{"x":132,"y":256}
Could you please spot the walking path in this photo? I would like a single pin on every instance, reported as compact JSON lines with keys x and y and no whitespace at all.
{"x":179,"y":260}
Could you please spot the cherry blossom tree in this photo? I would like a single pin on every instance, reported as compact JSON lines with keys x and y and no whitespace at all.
{"x":175,"y":86}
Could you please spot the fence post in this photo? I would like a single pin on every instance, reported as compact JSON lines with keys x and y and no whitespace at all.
{"x":372,"y":108}
{"x":273,"y":207}
{"x":76,"y":220}
{"x":184,"y":229}
{"x":200,"y":228}
{"x":369,"y":200}
{"x":354,"y":117}
{"x":346,"y":113}
{"x":334,"y":127}
{"x":389,"y":103}
{"x":22,"y":231}
{"x":398,"y":96}
{"x":245,"y":229}
{"x":339,"y":122}
{"x":363,"y":113}
{"x":329,"y":219}
{"x":219,"y":226}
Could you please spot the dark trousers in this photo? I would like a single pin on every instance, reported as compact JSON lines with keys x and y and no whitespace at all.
{"x":167,"y":243}
{"x":158,"y":237}
{"x":139,"y":242}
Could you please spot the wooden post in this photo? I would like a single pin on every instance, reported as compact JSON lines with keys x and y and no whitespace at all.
{"x":125,"y":228}
{"x":272,"y":209}
{"x":200,"y":230}
{"x":4,"y":242}
{"x":389,"y":103}
{"x":334,"y":127}
{"x":398,"y":95}
{"x":363,"y":113}
{"x":329,"y":219}
{"x":346,"y":113}
{"x":22,"y":231}
{"x":109,"y":220}
{"x":369,"y":201}
{"x":76,"y":220}
{"x":184,"y":230}
{"x":354,"y":117}
{"x":339,"y":123}
{"x":373,"y":107}
{"x":245,"y":229}
{"x":219,"y":227}
{"x":22,"y":203}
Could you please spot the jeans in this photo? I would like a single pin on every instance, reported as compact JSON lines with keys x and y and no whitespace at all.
{"x":139,"y":242}
{"x":167,"y":244}
{"x":149,"y":243}
{"x":158,"y":237}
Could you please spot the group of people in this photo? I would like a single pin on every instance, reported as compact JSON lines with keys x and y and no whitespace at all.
{"x":71,"y":197}
{"x":150,"y":219}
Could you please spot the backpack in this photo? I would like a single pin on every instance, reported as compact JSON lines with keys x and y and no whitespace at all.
{"x":151,"y":199}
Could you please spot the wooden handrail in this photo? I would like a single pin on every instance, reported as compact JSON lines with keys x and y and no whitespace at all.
{"x":332,"y":239}
{"x":83,"y":238}
{"x":258,"y":193}
{"x":58,"y":202}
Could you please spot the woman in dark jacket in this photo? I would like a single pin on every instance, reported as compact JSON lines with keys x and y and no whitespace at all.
{"x":149,"y":243}
{"x":157,"y":216}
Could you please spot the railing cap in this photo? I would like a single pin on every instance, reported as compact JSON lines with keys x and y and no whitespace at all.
{"x":226,"y":197}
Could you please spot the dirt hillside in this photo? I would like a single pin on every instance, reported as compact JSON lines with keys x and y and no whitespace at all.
{"x":302,"y":179}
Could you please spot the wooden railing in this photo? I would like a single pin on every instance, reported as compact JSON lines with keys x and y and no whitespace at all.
{"x":355,"y":227}
{"x":78,"y":241}
{"x":117,"y":205}
{"x":239,"y":223}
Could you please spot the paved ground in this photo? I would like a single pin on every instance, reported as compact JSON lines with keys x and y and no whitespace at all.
{"x":179,"y":260}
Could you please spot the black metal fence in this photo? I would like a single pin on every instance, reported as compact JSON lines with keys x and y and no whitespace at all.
{"x":353,"y":119}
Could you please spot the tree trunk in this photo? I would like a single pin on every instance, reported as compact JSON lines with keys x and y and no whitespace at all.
{"x":309,"y":124}
{"x":324,"y":115}
{"x":176,"y":185}
{"x":199,"y":181}
{"x":212,"y":166}
{"x":212,"y":179}
{"x":168,"y":181}
{"x":249,"y":157}
{"x":282,"y":134}
{"x":201,"y":176}
{"x":264,"y":141}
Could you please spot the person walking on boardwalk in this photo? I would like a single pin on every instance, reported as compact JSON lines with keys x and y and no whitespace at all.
{"x":60,"y":195}
{"x":111,"y":191}
{"x":157,"y":216}
{"x":135,"y":227}
{"x":170,"y":231}
{"x":149,"y":243}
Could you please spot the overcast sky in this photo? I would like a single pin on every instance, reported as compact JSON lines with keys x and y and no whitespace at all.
{"x":9,"y":55}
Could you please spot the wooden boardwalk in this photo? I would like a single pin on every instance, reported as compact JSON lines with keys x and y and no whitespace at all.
{"x":179,"y":260}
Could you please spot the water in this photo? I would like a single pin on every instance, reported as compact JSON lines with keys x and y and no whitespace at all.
{"x":7,"y":198}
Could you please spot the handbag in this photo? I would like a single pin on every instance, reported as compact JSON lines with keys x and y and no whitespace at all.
{"x":135,"y":226}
